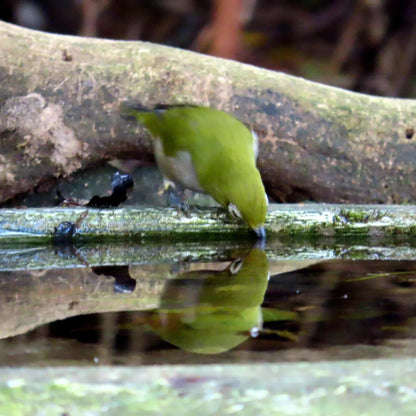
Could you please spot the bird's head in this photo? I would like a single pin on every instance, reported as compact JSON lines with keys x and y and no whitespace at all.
{"x":247,"y":200}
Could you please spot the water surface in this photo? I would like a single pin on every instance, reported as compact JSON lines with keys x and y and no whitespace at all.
{"x":240,"y":304}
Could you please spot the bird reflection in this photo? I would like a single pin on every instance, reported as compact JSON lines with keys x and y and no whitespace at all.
{"x":212,"y":311}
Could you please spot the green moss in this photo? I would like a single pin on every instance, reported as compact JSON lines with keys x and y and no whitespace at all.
{"x":304,"y":230}
{"x":347,"y":230}
{"x":411,"y":230}
{"x":357,"y":216}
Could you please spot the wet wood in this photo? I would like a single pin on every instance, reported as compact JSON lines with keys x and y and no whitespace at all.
{"x":167,"y":224}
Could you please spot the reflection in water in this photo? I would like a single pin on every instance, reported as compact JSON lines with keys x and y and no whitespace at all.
{"x":213,"y":309}
{"x":210,"y":311}
{"x":349,"y":302}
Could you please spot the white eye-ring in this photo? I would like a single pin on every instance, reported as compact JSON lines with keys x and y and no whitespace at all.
{"x":236,"y":266}
{"x":234,"y":211}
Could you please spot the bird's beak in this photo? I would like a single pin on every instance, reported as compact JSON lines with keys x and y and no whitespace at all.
{"x":260,"y":232}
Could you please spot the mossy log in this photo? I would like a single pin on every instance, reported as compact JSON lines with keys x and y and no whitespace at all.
{"x":59,"y":113}
{"x":168,"y":224}
{"x":155,"y":235}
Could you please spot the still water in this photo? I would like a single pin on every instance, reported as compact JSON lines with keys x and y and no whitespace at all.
{"x":235,"y":304}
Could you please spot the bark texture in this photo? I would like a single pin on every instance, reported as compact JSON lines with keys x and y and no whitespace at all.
{"x":60,"y":96}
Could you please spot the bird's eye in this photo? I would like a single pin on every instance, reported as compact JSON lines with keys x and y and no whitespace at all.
{"x":234,"y":211}
{"x":236,"y":265}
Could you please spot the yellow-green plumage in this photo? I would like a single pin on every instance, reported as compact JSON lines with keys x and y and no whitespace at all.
{"x":210,"y":151}
{"x":207,"y":311}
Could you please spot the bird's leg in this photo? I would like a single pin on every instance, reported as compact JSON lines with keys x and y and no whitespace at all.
{"x":175,"y":196}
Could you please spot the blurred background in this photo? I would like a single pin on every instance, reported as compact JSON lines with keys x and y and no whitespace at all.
{"x":362,"y":45}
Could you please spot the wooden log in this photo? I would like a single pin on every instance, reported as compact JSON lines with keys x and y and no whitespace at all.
{"x":59,"y":113}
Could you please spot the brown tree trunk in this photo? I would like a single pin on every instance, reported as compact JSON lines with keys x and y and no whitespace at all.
{"x":60,"y":95}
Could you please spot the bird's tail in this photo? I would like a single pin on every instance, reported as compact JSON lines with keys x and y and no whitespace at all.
{"x":132,"y":110}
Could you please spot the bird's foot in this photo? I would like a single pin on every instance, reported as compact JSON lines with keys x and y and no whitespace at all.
{"x":176,"y":199}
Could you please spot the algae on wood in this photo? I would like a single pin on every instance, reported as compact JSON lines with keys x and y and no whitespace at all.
{"x":140,"y":224}
{"x":154,"y":235}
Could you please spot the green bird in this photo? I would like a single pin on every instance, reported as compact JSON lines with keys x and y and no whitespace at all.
{"x":212,"y":311}
{"x":209,"y":151}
